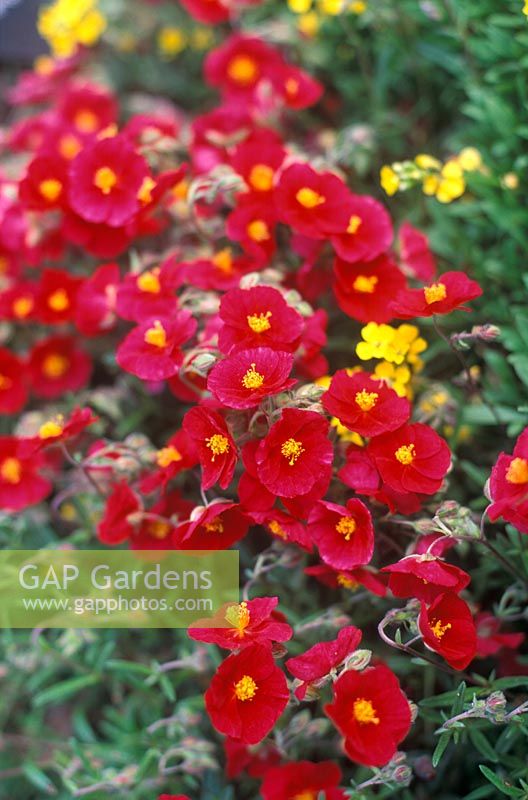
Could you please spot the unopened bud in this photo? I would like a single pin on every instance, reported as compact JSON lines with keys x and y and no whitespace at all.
{"x":358,"y":660}
{"x":496,"y":706}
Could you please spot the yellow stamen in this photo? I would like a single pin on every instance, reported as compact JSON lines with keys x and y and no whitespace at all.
{"x":309,"y":198}
{"x":291,"y":450}
{"x":292,"y":87}
{"x":218,"y":445}
{"x":54,"y":366}
{"x":245,"y":688}
{"x":261,"y":177}
{"x":435,"y":293}
{"x":223,"y":260}
{"x":144,"y":194}
{"x":105,"y":179}
{"x":405,"y":454}
{"x":215,"y":526}
{"x":149,"y":282}
{"x":11,"y":470}
{"x":50,"y":189}
{"x":259,"y":322}
{"x":366,"y":400}
{"x":364,"y":712}
{"x":86,"y":121}
{"x":517,"y":471}
{"x":258,"y":230}
{"x":242,"y":69}
{"x":252,"y":379}
{"x":346,"y":526}
{"x":5,"y":383}
{"x":365,"y":284}
{"x":69,"y":146}
{"x":438,"y":629}
{"x":167,"y":456}
{"x":50,"y":429}
{"x":346,"y":582}
{"x":59,"y":300}
{"x":23,"y":306}
{"x":239,"y":617}
{"x":156,"y":335}
{"x":354,"y":224}
{"x":277,"y":529}
{"x":158,"y":529}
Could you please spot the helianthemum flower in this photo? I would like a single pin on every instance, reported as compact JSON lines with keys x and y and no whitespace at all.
{"x":344,"y":535}
{"x":21,"y":484}
{"x":310,"y":202}
{"x":448,"y":628}
{"x":508,"y":486}
{"x":449,"y":292}
{"x":365,"y":291}
{"x":372,"y":713}
{"x":303,"y":780}
{"x":365,"y":405}
{"x":425,"y":577}
{"x":368,"y":232}
{"x":247,"y":695}
{"x":244,"y":378}
{"x":152,"y":350}
{"x":243,"y":624}
{"x":316,"y":664}
{"x":296,"y":454}
{"x":216,"y":447}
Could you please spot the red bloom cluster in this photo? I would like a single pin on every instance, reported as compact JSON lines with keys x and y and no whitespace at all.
{"x":508,"y":486}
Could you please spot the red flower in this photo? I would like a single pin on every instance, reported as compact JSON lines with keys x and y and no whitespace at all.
{"x":310,"y":202}
{"x":416,"y":255}
{"x":449,"y":292}
{"x":45,"y":184}
{"x":178,"y":454}
{"x":57,"y":296}
{"x":57,"y":429}
{"x":368,"y":577}
{"x":258,"y":317}
{"x":368,"y":232}
{"x":239,"y":65}
{"x":257,"y":160}
{"x":13,"y":391}
{"x":244,"y":378}
{"x":508,"y":486}
{"x":114,"y":526}
{"x":96,"y":313}
{"x":303,"y":780}
{"x":412,"y":459}
{"x":89,"y":108}
{"x":425,"y":577}
{"x":150,"y":293}
{"x":283,"y":526}
{"x":489,"y":639}
{"x":247,"y":695}
{"x":365,"y":405}
{"x":19,"y":302}
{"x":448,"y":628}
{"x":254,"y":760}
{"x":365,"y":291}
{"x":215,"y":527}
{"x":221,"y":271}
{"x":152,"y":350}
{"x":208,"y":11}
{"x":57,"y":365}
{"x":317,"y":663}
{"x":252,"y":224}
{"x":21,"y":485}
{"x":296,"y":454}
{"x":174,"y":796}
{"x":249,"y":622}
{"x":344,"y":535}
{"x":105,"y":181}
{"x":296,"y":87}
{"x":216,"y":447}
{"x":372,"y":713}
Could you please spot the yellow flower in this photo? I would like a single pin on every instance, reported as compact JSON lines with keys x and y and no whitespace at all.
{"x":377,"y":339}
{"x":359,"y":6}
{"x":67,"y":23}
{"x":511,"y":180}
{"x":331,"y":7}
{"x":525,"y":9}
{"x":390,"y":182}
{"x":299,"y":6}
{"x":398,"y":378}
{"x":452,"y":184}
{"x":470,"y":159}
{"x":430,"y":185}
{"x":171,"y":41}
{"x":309,"y":24}
{"x":201,"y":38}
{"x":425,"y":161}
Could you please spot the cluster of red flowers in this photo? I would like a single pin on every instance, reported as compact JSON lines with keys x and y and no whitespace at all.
{"x":237,"y":336}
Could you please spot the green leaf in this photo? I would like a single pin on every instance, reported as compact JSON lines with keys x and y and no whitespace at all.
{"x":39,"y":779}
{"x":506,"y":788}
{"x":480,"y":742}
{"x":62,"y":691}
{"x":441,"y":747}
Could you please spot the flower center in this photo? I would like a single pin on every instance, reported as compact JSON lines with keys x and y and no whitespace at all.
{"x":239,"y":617}
{"x":261,"y":177}
{"x":11,"y":470}
{"x":144,"y":194}
{"x":167,"y":456}
{"x":366,"y":284}
{"x":156,"y":335}
{"x":242,"y":69}
{"x":214,"y":526}
{"x":218,"y":445}
{"x":224,"y":261}
{"x":517,"y":471}
{"x":309,"y":198}
{"x":23,"y":306}
{"x":366,"y":400}
{"x":277,"y":529}
{"x":435,"y":293}
{"x":259,"y":322}
{"x":69,"y":146}
{"x":252,"y":379}
{"x":364,"y":712}
{"x":86,"y":121}
{"x":5,"y":383}
{"x":59,"y":300}
{"x":105,"y":179}
{"x":346,"y":526}
{"x":258,"y":230}
{"x":354,"y":224}
{"x":148,"y":282}
{"x":55,"y":365}
{"x":307,"y":795}
{"x":346,"y":582}
{"x":438,"y":629}
{"x":405,"y":454}
{"x":245,"y":688}
{"x":158,"y":529}
{"x":291,"y":450}
{"x":50,"y":429}
{"x":50,"y":189}
{"x":292,"y":87}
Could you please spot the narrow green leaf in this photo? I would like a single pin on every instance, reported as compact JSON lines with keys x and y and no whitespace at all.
{"x":62,"y":691}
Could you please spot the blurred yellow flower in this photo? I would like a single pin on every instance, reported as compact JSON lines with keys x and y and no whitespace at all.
{"x":390,"y":182}
{"x":299,"y":6}
{"x":425,"y":161}
{"x":525,"y":9}
{"x":68,"y":23}
{"x":470,"y":159}
{"x":398,"y":378}
{"x":309,"y":24}
{"x":377,"y":339}
{"x":201,"y":38}
{"x":171,"y":41}
{"x":331,"y":7}
{"x":359,"y":6}
{"x":452,"y":184}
